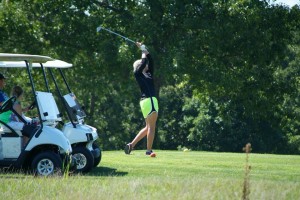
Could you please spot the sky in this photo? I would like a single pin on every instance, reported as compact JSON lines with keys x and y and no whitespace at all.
{"x":290,"y":3}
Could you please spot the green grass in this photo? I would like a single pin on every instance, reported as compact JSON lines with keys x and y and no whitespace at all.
{"x":171,"y":175}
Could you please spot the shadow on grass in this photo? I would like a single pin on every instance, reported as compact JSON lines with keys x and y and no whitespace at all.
{"x":97,"y":171}
{"x":106,"y":171}
{"x":16,"y":173}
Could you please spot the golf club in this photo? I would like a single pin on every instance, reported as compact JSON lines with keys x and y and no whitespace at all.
{"x":125,"y":38}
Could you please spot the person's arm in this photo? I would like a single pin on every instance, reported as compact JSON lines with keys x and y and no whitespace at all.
{"x":144,"y":63}
{"x":18,"y":109}
{"x":150,"y":64}
{"x":25,"y":109}
{"x":2,"y":99}
{"x":145,"y":54}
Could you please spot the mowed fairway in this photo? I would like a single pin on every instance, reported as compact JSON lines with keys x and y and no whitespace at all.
{"x":171,"y":175}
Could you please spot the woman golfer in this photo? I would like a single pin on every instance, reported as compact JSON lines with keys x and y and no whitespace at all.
{"x":143,"y":72}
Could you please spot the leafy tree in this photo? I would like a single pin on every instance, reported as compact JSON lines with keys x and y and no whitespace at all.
{"x":226,"y":72}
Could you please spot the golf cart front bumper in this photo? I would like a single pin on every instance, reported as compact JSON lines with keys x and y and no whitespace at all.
{"x":96,"y":152}
{"x":82,"y":133}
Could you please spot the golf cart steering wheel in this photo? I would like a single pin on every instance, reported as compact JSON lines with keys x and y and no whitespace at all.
{"x":7,"y":105}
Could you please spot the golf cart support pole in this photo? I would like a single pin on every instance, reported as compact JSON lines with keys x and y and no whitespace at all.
{"x":56,"y":86}
{"x":45,"y":79}
{"x":34,"y":94}
{"x":65,"y":80}
{"x":61,"y":96}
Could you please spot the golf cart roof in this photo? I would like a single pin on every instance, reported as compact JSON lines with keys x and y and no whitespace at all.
{"x":49,"y":64}
{"x":23,"y":57}
{"x":56,"y":64}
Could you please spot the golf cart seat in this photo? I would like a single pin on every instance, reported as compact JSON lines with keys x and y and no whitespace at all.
{"x":48,"y":108}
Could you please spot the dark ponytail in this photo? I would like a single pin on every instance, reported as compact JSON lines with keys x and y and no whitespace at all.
{"x":17,"y":91}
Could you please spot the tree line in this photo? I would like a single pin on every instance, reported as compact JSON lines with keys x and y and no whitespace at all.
{"x":226,"y":72}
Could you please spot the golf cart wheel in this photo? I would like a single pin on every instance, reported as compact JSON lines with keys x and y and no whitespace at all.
{"x":47,"y":163}
{"x":83,"y":159}
{"x":98,"y":159}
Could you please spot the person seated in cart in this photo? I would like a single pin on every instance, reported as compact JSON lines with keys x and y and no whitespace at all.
{"x":13,"y":120}
{"x":3,"y":95}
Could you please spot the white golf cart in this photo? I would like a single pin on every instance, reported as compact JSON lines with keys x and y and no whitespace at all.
{"x":48,"y":150}
{"x":86,"y":152}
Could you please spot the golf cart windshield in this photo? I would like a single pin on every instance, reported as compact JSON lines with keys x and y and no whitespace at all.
{"x":77,"y":113}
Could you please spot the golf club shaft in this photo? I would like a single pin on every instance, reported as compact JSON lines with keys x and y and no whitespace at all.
{"x":125,"y":38}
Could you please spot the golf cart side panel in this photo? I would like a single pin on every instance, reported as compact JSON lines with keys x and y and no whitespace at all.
{"x":75,"y":134}
{"x":11,"y":148}
{"x":53,"y":136}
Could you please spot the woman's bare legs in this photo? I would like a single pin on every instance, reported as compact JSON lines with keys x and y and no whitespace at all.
{"x":151,"y":125}
{"x":148,"y":130}
{"x":139,"y":136}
